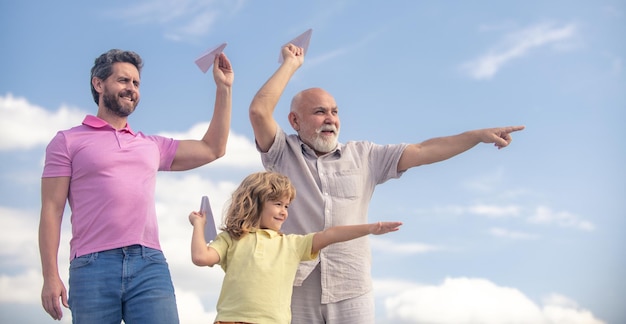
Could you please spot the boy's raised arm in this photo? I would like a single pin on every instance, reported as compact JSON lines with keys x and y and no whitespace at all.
{"x":349,"y":232}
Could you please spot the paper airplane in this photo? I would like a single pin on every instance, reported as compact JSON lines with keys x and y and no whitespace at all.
{"x":207,"y":58}
{"x":300,"y":41}
{"x":210,"y":231}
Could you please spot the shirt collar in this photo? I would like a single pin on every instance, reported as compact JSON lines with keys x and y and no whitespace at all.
{"x":95,"y":122}
{"x":268,"y":232}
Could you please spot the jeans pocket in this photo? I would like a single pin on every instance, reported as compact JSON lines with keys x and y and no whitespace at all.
{"x":82,"y":261}
{"x":154,"y":255}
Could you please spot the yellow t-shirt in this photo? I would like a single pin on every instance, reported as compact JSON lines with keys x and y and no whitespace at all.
{"x":260,"y":269}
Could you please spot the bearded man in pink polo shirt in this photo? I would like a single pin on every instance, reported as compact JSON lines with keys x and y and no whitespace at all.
{"x":107,"y":173}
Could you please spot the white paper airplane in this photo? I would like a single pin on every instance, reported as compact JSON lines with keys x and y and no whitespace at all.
{"x":207,"y":58}
{"x":210,"y":231}
{"x":300,"y":41}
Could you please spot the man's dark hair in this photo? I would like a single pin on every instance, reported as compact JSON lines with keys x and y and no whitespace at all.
{"x":103,"y":66}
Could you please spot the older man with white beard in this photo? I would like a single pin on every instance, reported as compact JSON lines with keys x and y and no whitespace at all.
{"x":335,"y":183}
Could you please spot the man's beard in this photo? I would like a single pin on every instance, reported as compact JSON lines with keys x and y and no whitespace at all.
{"x":113,"y":103}
{"x":324,"y":144}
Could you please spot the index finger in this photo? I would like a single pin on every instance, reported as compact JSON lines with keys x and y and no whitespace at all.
{"x":511,"y":129}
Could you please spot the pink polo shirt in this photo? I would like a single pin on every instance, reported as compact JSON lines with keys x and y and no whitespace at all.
{"x":112,"y":183}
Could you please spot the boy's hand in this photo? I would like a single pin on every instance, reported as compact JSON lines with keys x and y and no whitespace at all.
{"x":197,"y":218}
{"x":384,"y":227}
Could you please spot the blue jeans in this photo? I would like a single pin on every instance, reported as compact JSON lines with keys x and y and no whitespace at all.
{"x":132,"y":283}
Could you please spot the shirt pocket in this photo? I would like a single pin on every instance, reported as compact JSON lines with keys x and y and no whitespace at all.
{"x":345,"y":184}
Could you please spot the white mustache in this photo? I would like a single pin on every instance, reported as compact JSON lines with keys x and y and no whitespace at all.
{"x":325,"y":128}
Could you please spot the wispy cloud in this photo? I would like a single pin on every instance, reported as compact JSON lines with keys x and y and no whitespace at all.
{"x":389,"y":246}
{"x":541,"y":215}
{"x":493,"y":183}
{"x":494,"y":211}
{"x":17,"y":114}
{"x":484,"y":210}
{"x":545,"y":215}
{"x":613,"y":11}
{"x":516,"y":45}
{"x":345,"y":49}
{"x":513,"y":235}
{"x":181,"y":20}
{"x":320,"y":59}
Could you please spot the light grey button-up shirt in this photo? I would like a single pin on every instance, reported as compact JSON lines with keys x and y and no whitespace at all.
{"x":333,"y":189}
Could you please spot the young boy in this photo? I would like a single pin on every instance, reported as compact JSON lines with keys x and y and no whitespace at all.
{"x":260,"y":262}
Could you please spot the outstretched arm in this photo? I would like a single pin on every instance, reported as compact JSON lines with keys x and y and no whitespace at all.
{"x":265,"y":100}
{"x":349,"y":232}
{"x":201,"y":254}
{"x":53,"y":197}
{"x":194,"y":153}
{"x":442,"y":148}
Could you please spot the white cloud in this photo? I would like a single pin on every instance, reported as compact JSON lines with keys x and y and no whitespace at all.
{"x":514,"y":235}
{"x":24,"y":287}
{"x":197,"y":288}
{"x":544,"y":215}
{"x":191,"y":309}
{"x":177,"y":194}
{"x":20,"y":276}
{"x":494,"y":211}
{"x":240,"y":151}
{"x":24,"y":125}
{"x":389,"y":246}
{"x":18,"y":237}
{"x":486,"y":210}
{"x":560,"y":309}
{"x":516,"y":45}
{"x":471,"y":300}
{"x":16,"y":114}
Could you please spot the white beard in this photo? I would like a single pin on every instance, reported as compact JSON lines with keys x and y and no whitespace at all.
{"x":322,"y":143}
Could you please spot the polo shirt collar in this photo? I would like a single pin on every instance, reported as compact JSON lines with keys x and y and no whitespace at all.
{"x":95,"y":122}
{"x":268,"y":232}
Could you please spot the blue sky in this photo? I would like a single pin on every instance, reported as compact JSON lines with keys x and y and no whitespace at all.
{"x":528,"y":234}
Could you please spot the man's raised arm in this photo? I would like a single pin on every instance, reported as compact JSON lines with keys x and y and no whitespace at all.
{"x":266,"y":99}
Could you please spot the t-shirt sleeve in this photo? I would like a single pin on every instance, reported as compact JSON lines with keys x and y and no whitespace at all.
{"x":220,"y":244}
{"x":305,"y":244}
{"x":58,"y":162}
{"x":167,"y":150}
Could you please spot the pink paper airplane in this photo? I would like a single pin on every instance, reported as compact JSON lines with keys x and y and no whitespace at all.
{"x":205,"y":60}
{"x":210,"y":230}
{"x":300,"y":41}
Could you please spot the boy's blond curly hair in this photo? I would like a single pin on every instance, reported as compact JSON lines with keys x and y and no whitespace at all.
{"x":246,"y":203}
